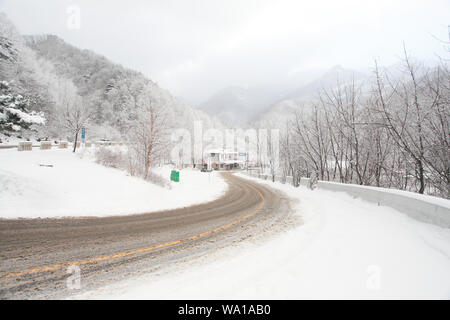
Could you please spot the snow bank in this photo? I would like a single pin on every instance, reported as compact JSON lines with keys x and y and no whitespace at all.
{"x":345,"y":248}
{"x":76,"y":186}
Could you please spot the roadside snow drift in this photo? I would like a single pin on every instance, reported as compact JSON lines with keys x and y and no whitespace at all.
{"x":345,"y":248}
{"x":58,"y":183}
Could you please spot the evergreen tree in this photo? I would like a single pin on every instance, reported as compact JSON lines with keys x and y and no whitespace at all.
{"x":14,"y":113}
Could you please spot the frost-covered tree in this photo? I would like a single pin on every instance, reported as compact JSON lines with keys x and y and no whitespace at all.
{"x":113,"y":89}
{"x":14,"y":111}
{"x":74,"y":111}
{"x":392,"y":131}
{"x":22,"y":72}
{"x":147,"y":134}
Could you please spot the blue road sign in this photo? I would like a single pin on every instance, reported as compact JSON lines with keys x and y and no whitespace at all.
{"x":83,"y":133}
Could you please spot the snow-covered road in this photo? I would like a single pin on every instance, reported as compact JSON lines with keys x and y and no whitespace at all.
{"x":37,"y":252}
{"x":345,"y":248}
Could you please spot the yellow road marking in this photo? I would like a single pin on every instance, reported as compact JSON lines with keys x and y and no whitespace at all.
{"x":141,"y":250}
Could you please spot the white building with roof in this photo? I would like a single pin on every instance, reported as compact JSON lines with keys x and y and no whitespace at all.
{"x":225,"y":159}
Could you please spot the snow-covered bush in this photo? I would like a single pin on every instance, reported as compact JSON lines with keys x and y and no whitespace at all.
{"x":110,"y":158}
{"x":14,"y":114}
{"x":114,"y":158}
{"x":158,"y":180}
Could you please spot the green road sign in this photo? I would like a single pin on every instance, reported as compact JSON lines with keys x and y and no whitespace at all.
{"x":175,"y":176}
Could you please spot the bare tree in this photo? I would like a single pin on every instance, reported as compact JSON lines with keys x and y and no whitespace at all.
{"x":393,"y":135}
{"x":146,"y":135}
{"x":76,"y":118}
{"x":404,"y":111}
{"x":73,"y":112}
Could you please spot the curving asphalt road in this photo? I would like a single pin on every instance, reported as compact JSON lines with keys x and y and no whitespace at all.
{"x":35,"y":253}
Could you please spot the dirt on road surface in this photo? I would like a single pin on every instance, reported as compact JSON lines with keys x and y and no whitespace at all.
{"x":35,"y":254}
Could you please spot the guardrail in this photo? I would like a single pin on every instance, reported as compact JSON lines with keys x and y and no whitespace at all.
{"x":13,"y":146}
{"x":256,"y":174}
{"x":46,"y":145}
{"x":8,"y":146}
{"x":420,"y":207}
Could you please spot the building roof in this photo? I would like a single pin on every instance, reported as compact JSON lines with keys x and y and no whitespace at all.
{"x":222,"y":151}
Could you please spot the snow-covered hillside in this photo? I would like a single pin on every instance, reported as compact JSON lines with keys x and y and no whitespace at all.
{"x":236,"y":106}
{"x":58,"y":183}
{"x":345,"y":248}
{"x":301,"y":97}
{"x":55,"y":76}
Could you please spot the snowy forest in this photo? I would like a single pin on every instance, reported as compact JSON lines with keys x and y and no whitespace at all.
{"x":47,"y":81}
{"x":390,"y":130}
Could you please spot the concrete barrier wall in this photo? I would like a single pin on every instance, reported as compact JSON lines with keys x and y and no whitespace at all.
{"x":304,"y":182}
{"x":423,"y":208}
{"x":280,"y":179}
{"x":103,"y":143}
{"x":434,"y":211}
{"x":108,"y":143}
{"x":63,"y":145}
{"x":8,"y":146}
{"x":46,"y":145}
{"x":25,"y":146}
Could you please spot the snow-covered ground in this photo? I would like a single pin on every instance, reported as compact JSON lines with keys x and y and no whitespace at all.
{"x":345,"y":248}
{"x":77,"y":186}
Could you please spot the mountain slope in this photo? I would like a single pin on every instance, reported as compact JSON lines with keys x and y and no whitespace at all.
{"x":241,"y":106}
{"x":113,"y":90}
{"x":48,"y":72}
{"x":335,"y":76}
{"x":282,"y":111}
{"x":236,"y":106}
{"x":25,"y":76}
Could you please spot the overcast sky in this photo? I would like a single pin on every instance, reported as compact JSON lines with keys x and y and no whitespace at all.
{"x":194,"y":48}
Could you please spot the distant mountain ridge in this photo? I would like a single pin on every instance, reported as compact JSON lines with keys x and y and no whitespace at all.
{"x":282,"y":111}
{"x":236,"y":106}
{"x":329,"y":79}
{"x":239,"y":106}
